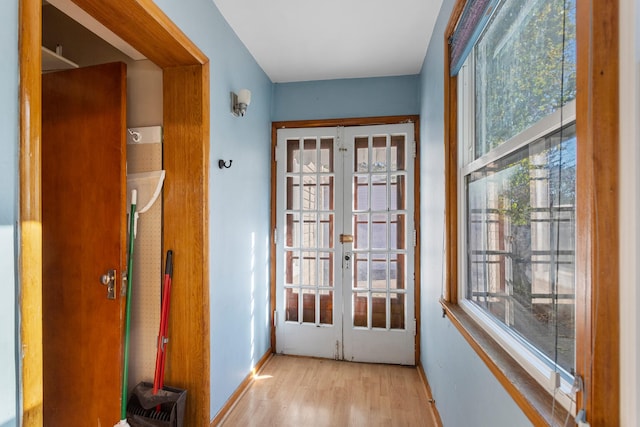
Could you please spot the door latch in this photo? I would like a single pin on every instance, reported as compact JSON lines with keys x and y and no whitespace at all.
{"x":109,"y":280}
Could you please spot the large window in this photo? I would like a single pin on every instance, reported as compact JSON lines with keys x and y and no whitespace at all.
{"x":517,"y":185}
{"x":532,"y":201}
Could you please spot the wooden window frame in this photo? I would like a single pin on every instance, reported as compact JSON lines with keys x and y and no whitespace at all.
{"x":597,"y":225}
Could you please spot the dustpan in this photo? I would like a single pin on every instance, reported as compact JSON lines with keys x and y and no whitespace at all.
{"x":142,"y":407}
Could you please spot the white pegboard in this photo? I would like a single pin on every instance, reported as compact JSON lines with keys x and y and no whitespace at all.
{"x":145,"y":155}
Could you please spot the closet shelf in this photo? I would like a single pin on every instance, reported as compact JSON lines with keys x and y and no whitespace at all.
{"x":51,"y":61}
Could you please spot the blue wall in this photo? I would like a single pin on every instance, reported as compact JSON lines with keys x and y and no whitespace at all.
{"x":328,"y":99}
{"x":238,"y":199}
{"x":8,"y":207}
{"x":465,"y":391}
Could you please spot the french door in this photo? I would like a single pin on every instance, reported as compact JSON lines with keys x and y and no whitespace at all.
{"x":345,"y":243}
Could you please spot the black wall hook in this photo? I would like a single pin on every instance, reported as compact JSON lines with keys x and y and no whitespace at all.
{"x":223,"y":164}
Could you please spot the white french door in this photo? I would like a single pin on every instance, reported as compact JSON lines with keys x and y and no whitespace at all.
{"x":345,"y":243}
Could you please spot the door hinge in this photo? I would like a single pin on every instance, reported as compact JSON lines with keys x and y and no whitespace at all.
{"x":415,"y":327}
{"x":275,"y":318}
{"x":275,"y":236}
{"x":415,"y":238}
{"x":414,"y":149}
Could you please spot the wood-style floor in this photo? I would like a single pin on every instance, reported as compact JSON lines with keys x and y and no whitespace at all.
{"x":305,"y":392}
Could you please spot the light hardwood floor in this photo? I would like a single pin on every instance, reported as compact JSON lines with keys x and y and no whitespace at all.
{"x":305,"y":392}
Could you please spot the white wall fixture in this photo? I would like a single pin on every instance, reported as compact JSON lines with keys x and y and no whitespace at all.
{"x":240,"y":102}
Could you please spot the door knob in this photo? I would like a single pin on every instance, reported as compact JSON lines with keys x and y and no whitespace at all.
{"x":109,"y":280}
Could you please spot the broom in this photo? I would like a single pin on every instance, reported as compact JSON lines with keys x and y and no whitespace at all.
{"x":133,"y":216}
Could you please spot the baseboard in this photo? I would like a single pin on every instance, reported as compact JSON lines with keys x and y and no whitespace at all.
{"x":242,"y":388}
{"x":432,"y":402}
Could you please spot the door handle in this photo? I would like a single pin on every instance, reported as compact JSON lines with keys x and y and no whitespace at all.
{"x":109,"y":280}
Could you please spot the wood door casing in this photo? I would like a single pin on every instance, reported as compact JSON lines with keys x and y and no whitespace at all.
{"x":84,"y":233}
{"x":186,"y":120}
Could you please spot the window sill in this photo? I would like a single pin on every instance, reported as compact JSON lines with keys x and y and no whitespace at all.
{"x":529,"y":395}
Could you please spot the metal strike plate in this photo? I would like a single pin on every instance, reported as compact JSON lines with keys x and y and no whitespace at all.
{"x":109,"y":280}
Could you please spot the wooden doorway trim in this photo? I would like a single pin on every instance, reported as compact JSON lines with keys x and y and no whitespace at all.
{"x":186,"y":152}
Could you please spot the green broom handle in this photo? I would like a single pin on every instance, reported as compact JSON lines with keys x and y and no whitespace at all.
{"x":125,"y":371}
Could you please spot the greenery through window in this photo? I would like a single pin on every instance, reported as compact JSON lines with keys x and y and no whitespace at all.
{"x":519,"y":68}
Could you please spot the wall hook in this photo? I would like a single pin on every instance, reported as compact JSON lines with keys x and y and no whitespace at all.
{"x":223,"y":164}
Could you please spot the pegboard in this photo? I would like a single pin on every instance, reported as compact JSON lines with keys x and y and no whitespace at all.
{"x":144,"y":154}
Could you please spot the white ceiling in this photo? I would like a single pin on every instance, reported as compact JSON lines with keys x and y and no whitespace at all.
{"x":302,"y":40}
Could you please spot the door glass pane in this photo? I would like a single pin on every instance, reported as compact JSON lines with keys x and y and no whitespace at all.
{"x":326,"y":155}
{"x":361,"y":154}
{"x":292,"y":268}
{"x":293,"y":192}
{"x":361,"y":189}
{"x":326,"y":269}
{"x":292,"y":230}
{"x":309,"y":229}
{"x":309,"y":194}
{"x":293,"y":155}
{"x":326,"y":307}
{"x":379,"y":231}
{"x":397,"y":232}
{"x":379,"y":192}
{"x":309,"y":306}
{"x":309,"y":269}
{"x":379,"y":271}
{"x":398,"y":192}
{"x":360,"y":309}
{"x":291,"y":308}
{"x":361,"y":230}
{"x":326,"y":194}
{"x":326,"y":230}
{"x":396,"y":271}
{"x":378,"y":310}
{"x":309,"y":156}
{"x":361,"y":271}
{"x":397,"y":311}
{"x":379,"y":154}
{"x":398,"y":153}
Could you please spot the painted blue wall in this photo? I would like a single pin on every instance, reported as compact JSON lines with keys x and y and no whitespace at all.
{"x":8,"y":208}
{"x":465,"y":391}
{"x":238,"y":198}
{"x":328,"y":99}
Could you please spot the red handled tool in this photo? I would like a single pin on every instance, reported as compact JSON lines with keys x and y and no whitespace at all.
{"x":161,"y":355}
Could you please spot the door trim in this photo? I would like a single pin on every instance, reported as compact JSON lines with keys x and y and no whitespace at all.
{"x":356,"y":121}
{"x":186,"y":119}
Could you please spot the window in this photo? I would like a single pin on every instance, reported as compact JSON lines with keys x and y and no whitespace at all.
{"x":531,"y":149}
{"x":518,"y":171}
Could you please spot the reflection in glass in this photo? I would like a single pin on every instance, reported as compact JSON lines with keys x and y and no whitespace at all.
{"x":379,"y":310}
{"x":360,"y":309}
{"x":361,"y":271}
{"x":519,"y":61}
{"x":397,"y":311}
{"x":521,"y":243}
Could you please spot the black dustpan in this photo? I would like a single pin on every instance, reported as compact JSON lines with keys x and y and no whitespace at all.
{"x":142,"y":408}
